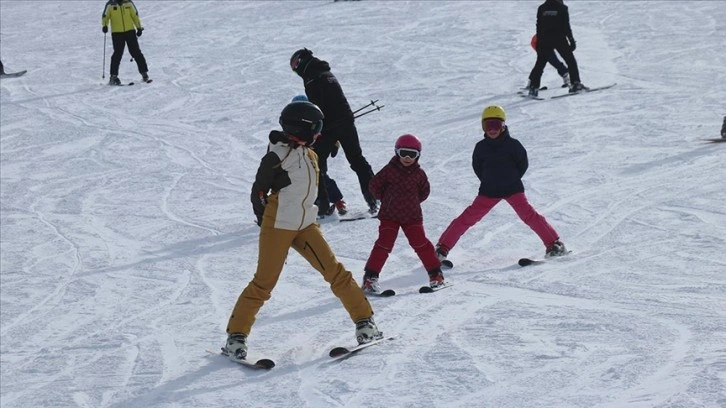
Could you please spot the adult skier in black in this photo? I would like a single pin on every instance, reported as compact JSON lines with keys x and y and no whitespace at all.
{"x":554,"y":33}
{"x":322,"y":89}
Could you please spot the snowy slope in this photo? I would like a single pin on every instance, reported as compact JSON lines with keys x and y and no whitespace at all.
{"x":127,"y":234}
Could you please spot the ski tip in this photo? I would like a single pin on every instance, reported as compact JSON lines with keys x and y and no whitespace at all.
{"x":338,"y":351}
{"x":525,"y":262}
{"x":446,"y":264}
{"x":265,"y":363}
{"x":429,"y":289}
{"x":387,"y":293}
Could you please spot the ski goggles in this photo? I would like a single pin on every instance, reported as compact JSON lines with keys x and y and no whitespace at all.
{"x":295,"y":62}
{"x":493,"y":125}
{"x":410,"y":153}
{"x":315,"y":127}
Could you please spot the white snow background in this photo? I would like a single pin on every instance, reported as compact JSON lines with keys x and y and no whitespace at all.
{"x":127,"y":232}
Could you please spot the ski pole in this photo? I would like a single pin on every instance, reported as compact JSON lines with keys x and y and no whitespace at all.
{"x":103,"y":68}
{"x":377,"y":108}
{"x":365,"y":106}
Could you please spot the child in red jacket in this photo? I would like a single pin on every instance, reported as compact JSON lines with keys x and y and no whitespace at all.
{"x":401,"y":186}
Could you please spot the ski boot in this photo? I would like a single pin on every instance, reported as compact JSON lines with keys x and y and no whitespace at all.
{"x":436,"y":278}
{"x":341,"y":207}
{"x":113,"y":80}
{"x":236,"y":347}
{"x":366,"y":331}
{"x":556,"y":249}
{"x":370,"y":284}
{"x":532,"y":92}
{"x":577,"y":87}
{"x":566,"y":80}
{"x":441,"y":253}
{"x":373,"y":207}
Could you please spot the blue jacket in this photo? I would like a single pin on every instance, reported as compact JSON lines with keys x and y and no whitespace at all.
{"x":500,"y":164}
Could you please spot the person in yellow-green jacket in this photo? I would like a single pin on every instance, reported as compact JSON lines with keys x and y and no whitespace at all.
{"x":125,"y":27}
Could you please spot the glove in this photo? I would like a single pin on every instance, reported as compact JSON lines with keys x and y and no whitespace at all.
{"x":334,"y":152}
{"x":139,"y":32}
{"x":104,"y":29}
{"x":573,"y":45}
{"x":259,"y":206}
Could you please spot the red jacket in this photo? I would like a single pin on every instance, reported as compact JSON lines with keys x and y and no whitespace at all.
{"x":401,"y":191}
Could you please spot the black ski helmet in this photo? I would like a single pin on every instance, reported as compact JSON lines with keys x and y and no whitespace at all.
{"x":302,"y":120}
{"x":300,"y":59}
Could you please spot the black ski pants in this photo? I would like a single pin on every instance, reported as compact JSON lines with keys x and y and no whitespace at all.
{"x":347,"y":134}
{"x":544,"y":53}
{"x":120,"y":40}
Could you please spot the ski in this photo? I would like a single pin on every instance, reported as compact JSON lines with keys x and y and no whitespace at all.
{"x":364,"y":215}
{"x":262,"y":364}
{"x":13,"y":74}
{"x":121,"y":84}
{"x":531,"y":261}
{"x":721,"y":140}
{"x":525,"y":90}
{"x":429,"y":289}
{"x":585,"y":91}
{"x":446,"y":264}
{"x":537,"y":98}
{"x":385,"y":293}
{"x":340,"y":353}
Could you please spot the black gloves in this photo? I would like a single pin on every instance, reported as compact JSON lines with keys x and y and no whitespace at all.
{"x":258,"y":206}
{"x":139,"y":32}
{"x":104,"y":29}
{"x":573,"y":45}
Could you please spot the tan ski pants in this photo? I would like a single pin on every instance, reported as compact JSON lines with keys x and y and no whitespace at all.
{"x":311,"y":244}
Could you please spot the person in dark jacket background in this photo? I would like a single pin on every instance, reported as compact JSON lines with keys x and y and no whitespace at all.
{"x":499,"y":162}
{"x":556,"y":63}
{"x":322,"y":89}
{"x":554,"y":33}
{"x":402,"y":186}
{"x":125,"y":27}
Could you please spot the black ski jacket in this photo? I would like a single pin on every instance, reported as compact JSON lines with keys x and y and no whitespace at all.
{"x":500,"y":164}
{"x":322,"y":88}
{"x":553,"y":24}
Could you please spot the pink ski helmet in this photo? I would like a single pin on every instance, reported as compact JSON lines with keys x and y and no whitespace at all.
{"x":408,"y":141}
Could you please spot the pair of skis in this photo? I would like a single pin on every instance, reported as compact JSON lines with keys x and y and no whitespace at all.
{"x":422,"y":289}
{"x":584,"y":91}
{"x":148,"y":81}
{"x":337,"y":354}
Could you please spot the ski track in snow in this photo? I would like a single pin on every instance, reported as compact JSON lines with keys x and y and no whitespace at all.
{"x":127,"y":232}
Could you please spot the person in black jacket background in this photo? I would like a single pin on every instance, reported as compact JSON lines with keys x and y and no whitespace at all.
{"x":554,"y":33}
{"x":322,"y":89}
{"x":499,"y":162}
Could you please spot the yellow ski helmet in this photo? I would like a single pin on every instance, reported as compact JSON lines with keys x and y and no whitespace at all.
{"x":494,"y":112}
